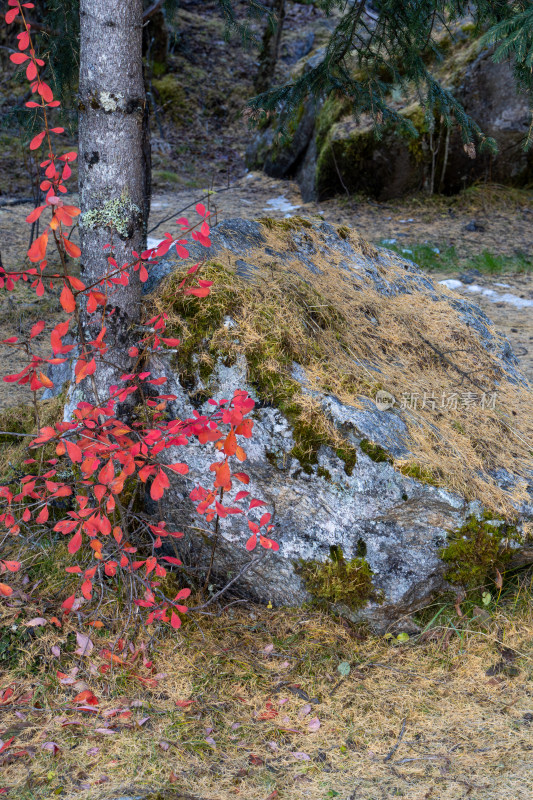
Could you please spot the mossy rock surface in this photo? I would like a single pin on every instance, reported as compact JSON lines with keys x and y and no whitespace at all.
{"x":340,"y":154}
{"x":478,"y":549}
{"x":172,"y":97}
{"x":351,"y":158}
{"x":314,"y":322}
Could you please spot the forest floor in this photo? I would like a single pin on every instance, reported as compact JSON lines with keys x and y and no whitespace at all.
{"x":266,"y":704}
{"x":256,"y":703}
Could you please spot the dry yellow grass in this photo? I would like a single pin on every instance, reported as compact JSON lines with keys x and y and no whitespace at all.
{"x":352,"y":341}
{"x":415,"y":720}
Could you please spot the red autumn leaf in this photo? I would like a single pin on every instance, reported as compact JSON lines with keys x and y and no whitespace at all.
{"x":172,"y":560}
{"x":107,"y":473}
{"x":42,"y":516}
{"x":6,"y":744}
{"x":182,"y":469}
{"x":45,"y":380}
{"x":35,"y":214}
{"x":255,"y":503}
{"x":252,"y":542}
{"x":38,"y":249}
{"x":175,"y":621}
{"x":74,"y":451}
{"x":18,"y":58}
{"x":184,"y":703}
{"x":268,"y":544}
{"x":46,"y":93}
{"x":159,"y":484}
{"x":6,"y":695}
{"x":86,"y":697}
{"x":31,"y":72}
{"x":11,"y":566}
{"x":267,"y":715}
{"x":230,"y":444}
{"x":68,"y":603}
{"x":5,"y":590}
{"x":24,"y":40}
{"x":11,"y":15}
{"x":181,"y":251}
{"x":85,"y":370}
{"x":37,"y":140}
{"x":72,"y":249}
{"x":67,"y":300}
{"x":75,"y":543}
{"x":37,"y":328}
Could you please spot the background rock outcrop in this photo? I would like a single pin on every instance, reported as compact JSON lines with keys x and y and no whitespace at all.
{"x":329,"y":152}
{"x":391,"y":424}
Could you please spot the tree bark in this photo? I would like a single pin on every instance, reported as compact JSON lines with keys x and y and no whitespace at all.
{"x":268,"y":57}
{"x":111,"y":107}
{"x":112,"y":162}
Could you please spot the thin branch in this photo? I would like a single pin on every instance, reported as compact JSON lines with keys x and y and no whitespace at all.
{"x":396,"y":746}
{"x":152,"y":9}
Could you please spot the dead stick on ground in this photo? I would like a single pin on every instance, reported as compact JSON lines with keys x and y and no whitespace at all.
{"x":396,"y":746}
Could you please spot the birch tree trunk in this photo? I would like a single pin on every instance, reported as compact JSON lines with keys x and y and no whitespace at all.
{"x":112,"y":152}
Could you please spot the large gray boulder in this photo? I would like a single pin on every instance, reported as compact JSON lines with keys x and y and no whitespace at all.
{"x":379,"y":503}
{"x":334,"y":153}
{"x":488,"y":94}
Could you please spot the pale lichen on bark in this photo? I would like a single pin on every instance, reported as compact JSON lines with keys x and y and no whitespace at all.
{"x":118,"y":214}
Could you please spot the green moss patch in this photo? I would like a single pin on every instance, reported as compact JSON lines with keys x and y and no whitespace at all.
{"x":477,"y":549}
{"x":419,"y":473}
{"x":172,"y":97}
{"x":375,"y":452}
{"x":339,"y":581}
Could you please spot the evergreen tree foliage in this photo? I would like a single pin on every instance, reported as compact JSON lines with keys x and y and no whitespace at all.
{"x":376,"y":48}
{"x":391,"y":45}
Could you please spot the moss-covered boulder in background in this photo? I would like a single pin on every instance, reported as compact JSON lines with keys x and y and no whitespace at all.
{"x":352,"y":159}
{"x":339,"y":154}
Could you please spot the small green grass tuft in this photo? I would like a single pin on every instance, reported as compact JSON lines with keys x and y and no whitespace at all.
{"x":419,"y":473}
{"x":446,"y":259}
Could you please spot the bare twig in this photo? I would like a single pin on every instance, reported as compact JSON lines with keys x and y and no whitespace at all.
{"x":400,"y":737}
{"x":152,"y":9}
{"x":222,"y":591}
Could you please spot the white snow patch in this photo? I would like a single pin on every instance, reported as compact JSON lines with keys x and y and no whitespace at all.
{"x":280,"y":204}
{"x":451,"y":283}
{"x":496,"y":297}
